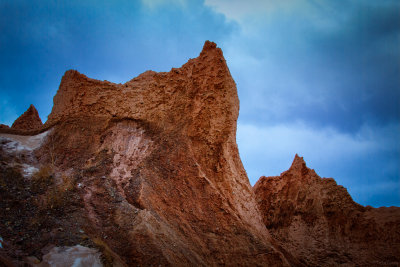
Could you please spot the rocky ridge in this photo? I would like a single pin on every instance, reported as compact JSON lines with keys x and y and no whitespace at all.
{"x":148,"y":173}
{"x":320,"y":224}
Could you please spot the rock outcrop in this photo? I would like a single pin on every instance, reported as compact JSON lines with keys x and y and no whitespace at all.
{"x":147,"y":173}
{"x":30,"y":120}
{"x":318,"y":222}
{"x":157,"y":168}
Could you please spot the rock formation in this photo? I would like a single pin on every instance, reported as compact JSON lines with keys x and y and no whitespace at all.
{"x":157,"y":169}
{"x":30,"y":120}
{"x":148,"y":173}
{"x":318,"y":222}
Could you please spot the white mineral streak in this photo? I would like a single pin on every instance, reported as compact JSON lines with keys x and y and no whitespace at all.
{"x":21,"y":146}
{"x":76,"y":256}
{"x":130,"y":146}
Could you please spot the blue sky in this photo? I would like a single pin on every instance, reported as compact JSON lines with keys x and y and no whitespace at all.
{"x":317,"y":78}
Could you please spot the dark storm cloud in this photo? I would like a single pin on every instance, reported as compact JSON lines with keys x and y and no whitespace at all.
{"x":363,"y":54}
{"x":342,"y":61}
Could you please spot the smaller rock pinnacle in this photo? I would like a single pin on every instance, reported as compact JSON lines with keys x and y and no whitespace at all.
{"x":30,"y":120}
{"x":298,"y":163}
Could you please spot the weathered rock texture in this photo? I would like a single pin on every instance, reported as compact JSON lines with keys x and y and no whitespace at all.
{"x":158,"y":165}
{"x":30,"y":120}
{"x":148,"y":172}
{"x":318,"y":222}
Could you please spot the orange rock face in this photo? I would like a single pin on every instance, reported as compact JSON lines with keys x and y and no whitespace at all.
{"x":30,"y":120}
{"x":318,"y":222}
{"x":159,"y":171}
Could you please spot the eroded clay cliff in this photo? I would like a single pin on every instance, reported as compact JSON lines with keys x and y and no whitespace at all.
{"x":147,"y":173}
{"x":156,"y":167}
{"x":319,"y":223}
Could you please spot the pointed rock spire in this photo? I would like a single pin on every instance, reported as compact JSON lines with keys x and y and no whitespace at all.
{"x":30,"y":120}
{"x":298,"y":164}
{"x":208,"y":46}
{"x":298,"y":161}
{"x":210,"y":50}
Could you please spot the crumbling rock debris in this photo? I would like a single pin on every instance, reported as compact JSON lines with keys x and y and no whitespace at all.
{"x":318,"y":222}
{"x":30,"y":120}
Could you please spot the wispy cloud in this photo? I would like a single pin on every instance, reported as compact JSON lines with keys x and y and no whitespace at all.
{"x":153,"y":4}
{"x":242,"y":10}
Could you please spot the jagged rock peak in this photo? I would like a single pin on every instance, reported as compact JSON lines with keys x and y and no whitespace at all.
{"x":298,"y":163}
{"x":183,"y":87}
{"x":212,"y":53}
{"x":318,"y":221}
{"x":166,"y":144}
{"x":209,"y":47}
{"x":74,"y":74}
{"x":30,"y":120}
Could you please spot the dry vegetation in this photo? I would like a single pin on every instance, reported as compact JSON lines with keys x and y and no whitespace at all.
{"x":42,"y":179}
{"x":55,"y":195}
{"x":107,"y":256}
{"x":38,"y":211}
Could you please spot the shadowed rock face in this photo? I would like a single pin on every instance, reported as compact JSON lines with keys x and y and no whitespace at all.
{"x":158,"y":165}
{"x":30,"y":120}
{"x":318,"y":222}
